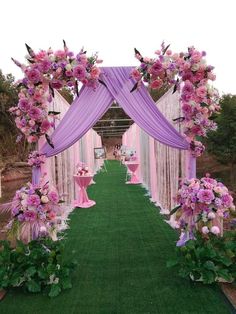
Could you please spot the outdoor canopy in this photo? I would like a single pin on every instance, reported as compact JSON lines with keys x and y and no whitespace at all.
{"x":91,"y":104}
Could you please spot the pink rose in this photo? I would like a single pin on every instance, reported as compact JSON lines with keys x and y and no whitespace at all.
{"x":201,"y":91}
{"x":136,"y":75}
{"x":53,"y":196}
{"x":79,"y":72}
{"x":156,"y":84}
{"x":95,"y":72}
{"x":196,"y":56}
{"x":33,"y":75}
{"x":32,"y":139}
{"x":45,"y":126}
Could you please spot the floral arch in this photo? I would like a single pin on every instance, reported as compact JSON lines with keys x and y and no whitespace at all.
{"x":202,"y":202}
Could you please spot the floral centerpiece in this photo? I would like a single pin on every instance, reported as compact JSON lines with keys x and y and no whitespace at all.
{"x":47,"y":70}
{"x":83,"y":169}
{"x":35,"y":211}
{"x":189,"y":73}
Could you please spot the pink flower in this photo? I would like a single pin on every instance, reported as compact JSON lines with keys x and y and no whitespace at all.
{"x":45,"y":126}
{"x":33,"y":200}
{"x":30,"y":215}
{"x":32,"y":139}
{"x":33,"y":75}
{"x":156,"y":84}
{"x":215,"y":230}
{"x":24,"y":104}
{"x":57,"y":84}
{"x":95,"y":72}
{"x":60,"y":54}
{"x":201,"y":91}
{"x":156,"y":68}
{"x":196,"y":56}
{"x":136,"y":74}
{"x":45,"y":66}
{"x":53,"y":196}
{"x":205,"y":196}
{"x":79,"y":72}
{"x":205,"y":230}
{"x":35,"y":113}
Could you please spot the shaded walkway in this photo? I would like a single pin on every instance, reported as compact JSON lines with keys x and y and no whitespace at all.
{"x":122,"y":245}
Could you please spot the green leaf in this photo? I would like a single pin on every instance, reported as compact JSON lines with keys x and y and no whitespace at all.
{"x":209,"y":265}
{"x":33,"y":286}
{"x":174,"y":210}
{"x":66,"y":283}
{"x":208,"y":277}
{"x":54,"y":291}
{"x":30,"y":271}
{"x":224,"y":273}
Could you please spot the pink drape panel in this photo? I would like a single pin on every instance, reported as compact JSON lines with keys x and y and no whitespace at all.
{"x":153,"y":171}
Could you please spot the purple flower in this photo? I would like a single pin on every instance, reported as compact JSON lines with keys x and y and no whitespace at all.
{"x":15,"y":211}
{"x":33,"y":200}
{"x":21,"y":217}
{"x":185,"y":237}
{"x":205,"y":196}
{"x":227,"y":200}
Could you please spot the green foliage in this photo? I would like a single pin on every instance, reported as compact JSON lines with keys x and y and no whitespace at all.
{"x":36,"y":266}
{"x":207,"y":259}
{"x":222,"y":143}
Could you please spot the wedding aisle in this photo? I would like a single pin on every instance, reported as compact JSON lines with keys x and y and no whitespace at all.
{"x":121,"y":245}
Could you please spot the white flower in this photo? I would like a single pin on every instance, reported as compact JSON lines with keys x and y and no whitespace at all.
{"x":211,"y":215}
{"x":43,"y":229}
{"x":44,"y":199}
{"x":68,"y":67}
{"x":215,"y":230}
{"x":205,"y":230}
{"x":195,"y":67}
{"x":24,"y":202}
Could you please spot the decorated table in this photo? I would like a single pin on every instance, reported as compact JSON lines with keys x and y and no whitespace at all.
{"x":132,"y":166}
{"x":83,"y":182}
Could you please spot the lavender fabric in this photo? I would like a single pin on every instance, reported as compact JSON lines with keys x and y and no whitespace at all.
{"x":86,"y":110}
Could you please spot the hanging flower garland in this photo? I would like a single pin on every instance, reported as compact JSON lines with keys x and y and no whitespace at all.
{"x":45,"y":71}
{"x":188,"y":73}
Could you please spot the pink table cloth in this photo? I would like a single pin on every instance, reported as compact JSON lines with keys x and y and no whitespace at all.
{"x":133,"y":166}
{"x":83,"y":200}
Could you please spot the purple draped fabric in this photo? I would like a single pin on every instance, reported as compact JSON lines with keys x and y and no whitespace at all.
{"x":36,"y":174}
{"x":91,"y":105}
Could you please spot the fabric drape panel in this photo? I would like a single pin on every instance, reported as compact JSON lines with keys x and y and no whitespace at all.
{"x":141,"y":108}
{"x":160,"y":165}
{"x":80,"y":117}
{"x":91,"y":104}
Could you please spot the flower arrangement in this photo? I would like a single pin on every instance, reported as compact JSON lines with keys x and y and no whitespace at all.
{"x":82,"y":169}
{"x":45,"y":71}
{"x":203,"y":205}
{"x":196,"y":148}
{"x":36,"y":159}
{"x":189,"y":73}
{"x":35,"y":211}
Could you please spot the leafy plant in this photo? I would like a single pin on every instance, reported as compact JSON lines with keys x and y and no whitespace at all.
{"x":35,"y":266}
{"x":207,"y":258}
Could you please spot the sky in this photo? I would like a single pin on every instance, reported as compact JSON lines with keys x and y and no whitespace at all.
{"x":114,"y":27}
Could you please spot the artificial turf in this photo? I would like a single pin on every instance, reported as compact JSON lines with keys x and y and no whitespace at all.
{"x":122,"y":245}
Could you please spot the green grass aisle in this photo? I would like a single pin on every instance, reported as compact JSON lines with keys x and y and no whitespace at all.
{"x":122,"y":245}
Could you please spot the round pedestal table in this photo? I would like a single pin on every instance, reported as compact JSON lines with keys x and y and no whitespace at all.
{"x":83,"y":200}
{"x":133,"y":166}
